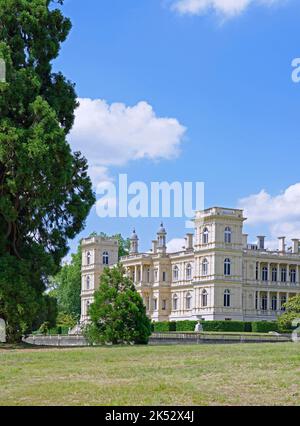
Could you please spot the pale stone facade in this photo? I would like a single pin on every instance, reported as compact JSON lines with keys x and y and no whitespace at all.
{"x":216,"y":276}
{"x":97,"y":253}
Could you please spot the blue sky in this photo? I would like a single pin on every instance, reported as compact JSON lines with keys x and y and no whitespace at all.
{"x":225,"y":79}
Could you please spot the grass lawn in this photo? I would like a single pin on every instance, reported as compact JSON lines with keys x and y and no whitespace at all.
{"x":254,"y":374}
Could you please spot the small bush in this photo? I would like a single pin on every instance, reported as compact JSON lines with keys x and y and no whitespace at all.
{"x":264,"y":327}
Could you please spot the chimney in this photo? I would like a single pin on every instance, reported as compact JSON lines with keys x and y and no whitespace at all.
{"x":245,"y":240}
{"x":189,"y":241}
{"x":282,"y":244}
{"x":154,"y":246}
{"x":295,"y":246}
{"x":261,"y":242}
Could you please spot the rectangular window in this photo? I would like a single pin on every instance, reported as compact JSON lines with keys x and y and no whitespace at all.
{"x":164,"y":304}
{"x":164,"y":277}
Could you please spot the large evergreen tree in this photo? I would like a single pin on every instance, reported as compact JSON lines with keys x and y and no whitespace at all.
{"x":118,"y":314}
{"x":45,"y":192}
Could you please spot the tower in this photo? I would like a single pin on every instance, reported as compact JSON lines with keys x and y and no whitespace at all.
{"x":134,"y":243}
{"x":161,"y":240}
{"x":97,"y":253}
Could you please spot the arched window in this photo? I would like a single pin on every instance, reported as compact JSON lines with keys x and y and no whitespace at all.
{"x":265,"y":273}
{"x":188,"y":301}
{"x":283,"y":275}
{"x":282,"y":303}
{"x":227,"y":235}
{"x":188,"y":272}
{"x":227,"y":267}
{"x":105,"y":258}
{"x":205,"y":236}
{"x":274,"y":275}
{"x":88,"y":282}
{"x":175,"y":273}
{"x":204,"y":299}
{"x":175,"y":302}
{"x":227,"y":298}
{"x":264,"y":302}
{"x":88,"y":258}
{"x":293,"y":275}
{"x":205,"y":267}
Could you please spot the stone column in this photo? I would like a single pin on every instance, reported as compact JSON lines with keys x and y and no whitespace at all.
{"x":135,"y":274}
{"x":278,"y":301}
{"x":278,"y":272}
{"x":269,"y":273}
{"x":142,"y":273}
{"x":288,"y":278}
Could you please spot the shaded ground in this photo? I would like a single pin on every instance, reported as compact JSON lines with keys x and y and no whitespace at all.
{"x":255,"y":374}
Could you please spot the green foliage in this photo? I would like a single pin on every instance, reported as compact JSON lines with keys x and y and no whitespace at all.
{"x":67,"y":284}
{"x":292,"y":312}
{"x":216,"y":326}
{"x":118,"y":314}
{"x":264,"y":327}
{"x":48,"y":312}
{"x":44,"y":328}
{"x":248,"y":327}
{"x":65,"y":320}
{"x":45,"y":191}
{"x":186,"y":325}
{"x":160,"y":327}
{"x":225,"y":326}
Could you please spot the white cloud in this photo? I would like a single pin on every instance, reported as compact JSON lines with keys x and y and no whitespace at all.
{"x":226,"y":8}
{"x":175,"y":245}
{"x":281,"y":213}
{"x":113,"y":135}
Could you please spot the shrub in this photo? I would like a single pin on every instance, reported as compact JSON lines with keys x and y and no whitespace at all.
{"x":264,"y":326}
{"x":118,"y":314}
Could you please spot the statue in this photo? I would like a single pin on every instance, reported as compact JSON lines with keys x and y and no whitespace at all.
{"x":199,"y":327}
{"x":2,"y":331}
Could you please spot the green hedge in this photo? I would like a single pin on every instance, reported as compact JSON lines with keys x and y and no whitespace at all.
{"x":217,"y":326}
{"x":226,"y":326}
{"x":264,"y":327}
{"x":161,"y":327}
{"x":185,"y":325}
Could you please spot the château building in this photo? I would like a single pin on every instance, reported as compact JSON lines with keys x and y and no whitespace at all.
{"x":216,"y":276}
